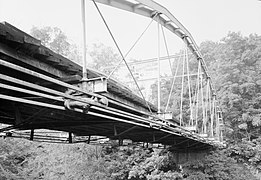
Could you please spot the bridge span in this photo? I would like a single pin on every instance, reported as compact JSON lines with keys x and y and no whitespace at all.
{"x":40,"y":89}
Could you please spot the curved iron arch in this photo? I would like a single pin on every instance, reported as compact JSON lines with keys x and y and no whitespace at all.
{"x":149,"y":8}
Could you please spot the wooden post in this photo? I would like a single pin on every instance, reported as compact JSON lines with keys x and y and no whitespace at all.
{"x":70,"y":137}
{"x":89,"y":139}
{"x":32,"y":135}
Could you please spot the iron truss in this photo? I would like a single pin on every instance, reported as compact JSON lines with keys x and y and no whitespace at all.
{"x":40,"y":89}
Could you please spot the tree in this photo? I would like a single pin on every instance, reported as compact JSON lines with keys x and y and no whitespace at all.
{"x":217,"y":166}
{"x":104,"y":57}
{"x":56,"y":40}
{"x":235,"y":63}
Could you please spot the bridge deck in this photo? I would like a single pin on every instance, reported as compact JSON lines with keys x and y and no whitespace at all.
{"x":33,"y":85}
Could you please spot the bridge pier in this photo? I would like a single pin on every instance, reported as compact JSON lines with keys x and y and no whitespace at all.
{"x":184,"y":157}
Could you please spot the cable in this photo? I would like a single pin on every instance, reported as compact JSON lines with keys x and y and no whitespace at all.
{"x":173,"y":82}
{"x":190,"y":98}
{"x":116,"y":44}
{"x":182,"y":89}
{"x":165,"y":42}
{"x":130,"y":49}
{"x":197,"y":95}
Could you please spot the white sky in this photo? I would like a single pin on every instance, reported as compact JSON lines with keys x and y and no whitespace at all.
{"x":205,"y":19}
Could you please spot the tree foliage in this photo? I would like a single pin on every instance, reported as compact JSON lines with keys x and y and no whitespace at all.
{"x":56,"y":40}
{"x":217,"y":166}
{"x":235,"y":63}
{"x":104,"y":57}
{"x":235,"y":66}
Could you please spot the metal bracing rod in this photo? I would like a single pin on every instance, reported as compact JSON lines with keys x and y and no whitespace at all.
{"x":212,"y":116}
{"x":172,"y":85}
{"x":127,"y":130}
{"x":47,"y":90}
{"x":197,"y":95}
{"x":217,"y":123}
{"x":30,"y":92}
{"x":46,"y":78}
{"x":11,"y":98}
{"x":190,"y":99}
{"x":58,"y":107}
{"x":182,"y":89}
{"x":157,"y":140}
{"x":167,"y":49}
{"x":206,"y":102}
{"x":55,"y":81}
{"x":210,"y":109}
{"x":130,"y":49}
{"x":123,"y":114}
{"x":172,"y":24}
{"x":110,"y":110}
{"x":62,"y":95}
{"x":159,"y":69}
{"x":57,"y":93}
{"x":116,"y":44}
{"x":202,"y":104}
{"x":143,"y":61}
{"x":171,"y":130}
{"x":182,"y":142}
{"x":84,"y":65}
{"x":90,"y":113}
{"x":51,"y":97}
{"x":165,"y":77}
{"x":191,"y":145}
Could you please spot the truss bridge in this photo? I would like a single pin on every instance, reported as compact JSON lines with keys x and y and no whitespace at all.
{"x":40,"y":89}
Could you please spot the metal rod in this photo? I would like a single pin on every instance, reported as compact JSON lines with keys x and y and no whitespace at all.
{"x":46,"y":78}
{"x":84,"y":64}
{"x":127,"y":130}
{"x":47,"y":90}
{"x":11,"y":98}
{"x":17,"y":81}
{"x":116,"y":44}
{"x":130,"y":50}
{"x":173,"y":83}
{"x":171,"y":130}
{"x":197,"y":94}
{"x":167,"y":49}
{"x":188,"y":77}
{"x":159,"y":69}
{"x":165,"y":77}
{"x":162,"y":58}
{"x":182,"y":89}
{"x":30,"y":92}
{"x":55,"y":81}
{"x":157,"y":140}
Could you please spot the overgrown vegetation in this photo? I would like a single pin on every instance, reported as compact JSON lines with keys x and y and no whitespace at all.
{"x":235,"y":65}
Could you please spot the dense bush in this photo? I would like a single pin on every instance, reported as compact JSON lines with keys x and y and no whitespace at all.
{"x":22,"y":159}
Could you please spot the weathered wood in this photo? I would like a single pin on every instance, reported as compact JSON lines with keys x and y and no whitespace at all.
{"x":71,"y":79}
{"x":15,"y":34}
{"x":9,"y":53}
{"x":59,"y":66}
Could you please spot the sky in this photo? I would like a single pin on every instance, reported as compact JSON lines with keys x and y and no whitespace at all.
{"x":205,"y":20}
